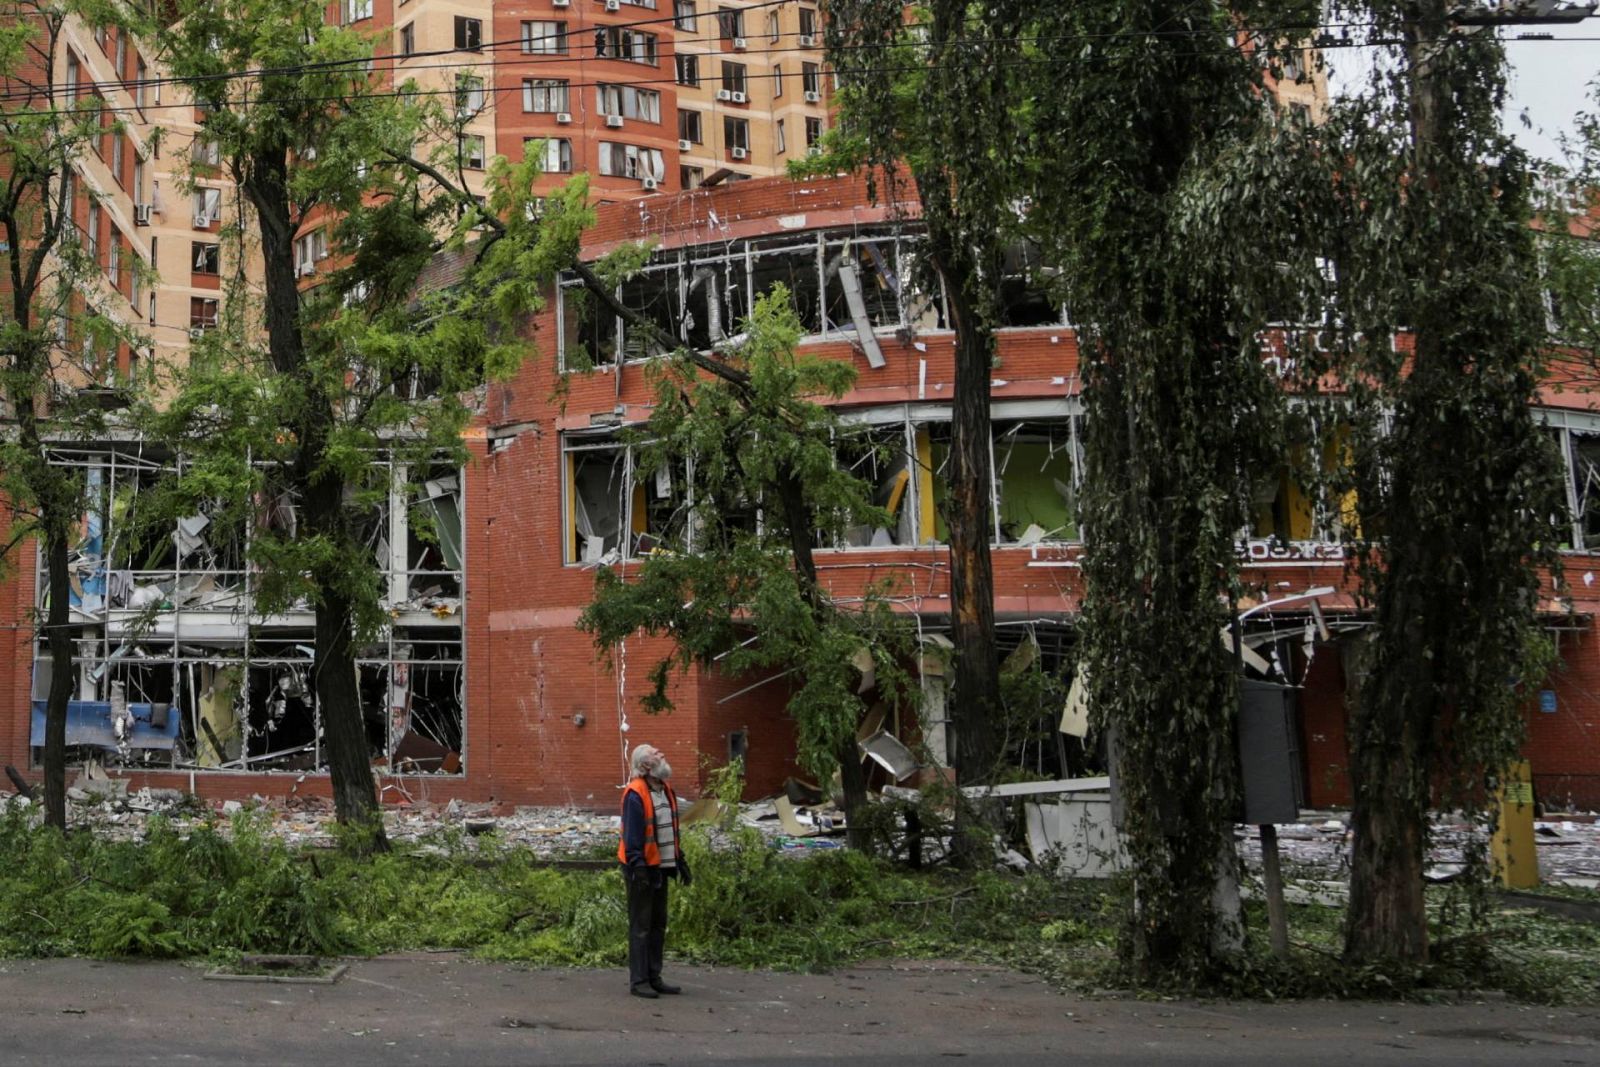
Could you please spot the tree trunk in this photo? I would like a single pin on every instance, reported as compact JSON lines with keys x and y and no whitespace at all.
{"x":58,"y":637}
{"x":1387,"y":920}
{"x":976,"y":693}
{"x":797,"y":516}
{"x":344,"y":730}
{"x":1389,"y":762}
{"x":355,"y":799}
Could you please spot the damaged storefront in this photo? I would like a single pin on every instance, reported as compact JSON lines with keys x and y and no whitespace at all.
{"x":176,"y":668}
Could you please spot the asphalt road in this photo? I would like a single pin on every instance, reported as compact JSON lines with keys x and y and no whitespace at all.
{"x":443,"y":1010}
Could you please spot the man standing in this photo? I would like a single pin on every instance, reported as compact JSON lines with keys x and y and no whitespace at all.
{"x":649,"y":855}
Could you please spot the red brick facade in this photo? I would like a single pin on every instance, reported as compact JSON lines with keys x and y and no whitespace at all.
{"x":545,"y":712}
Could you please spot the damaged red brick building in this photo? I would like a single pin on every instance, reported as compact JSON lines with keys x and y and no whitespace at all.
{"x":485,"y":690}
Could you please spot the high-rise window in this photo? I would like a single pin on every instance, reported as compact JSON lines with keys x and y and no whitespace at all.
{"x":730,"y":23}
{"x":810,"y":78}
{"x":545,"y":96}
{"x":631,"y":161}
{"x":779,"y":139}
{"x":472,"y":151}
{"x":808,"y":22}
{"x":688,"y":69}
{"x":628,"y":102}
{"x":620,"y":42}
{"x":683,"y":15}
{"x":469,"y":34}
{"x":205,"y":258}
{"x":557,"y":153}
{"x":736,"y":132}
{"x":408,"y":39}
{"x":357,"y":10}
{"x":469,"y":95}
{"x":689,"y":128}
{"x":544,"y":38}
{"x":202,"y":313}
{"x":733,"y":77}
{"x":777,"y":81}
{"x":813,"y":131}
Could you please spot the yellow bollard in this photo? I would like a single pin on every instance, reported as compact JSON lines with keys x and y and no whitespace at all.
{"x":1515,"y":861}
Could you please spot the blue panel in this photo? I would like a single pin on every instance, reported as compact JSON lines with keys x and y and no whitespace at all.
{"x":89,"y":723}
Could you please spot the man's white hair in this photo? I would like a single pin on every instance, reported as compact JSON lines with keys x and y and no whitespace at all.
{"x":646,"y":759}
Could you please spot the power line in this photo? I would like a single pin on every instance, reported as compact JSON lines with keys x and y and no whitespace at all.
{"x":827,"y":71}
{"x":560,"y":38}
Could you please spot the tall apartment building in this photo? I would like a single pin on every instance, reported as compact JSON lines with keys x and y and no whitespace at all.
{"x":133,"y":207}
{"x":644,"y":95}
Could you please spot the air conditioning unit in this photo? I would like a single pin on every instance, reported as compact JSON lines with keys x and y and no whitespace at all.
{"x":740,"y":153}
{"x":563,"y":118}
{"x":196,"y":332}
{"x":141,"y":214}
{"x":739,"y":98}
{"x":813,"y":97}
{"x":308,"y":268}
{"x":740,"y":44}
{"x":684,"y":145}
{"x":808,"y":40}
{"x":560,"y":3}
{"x":202,"y":222}
{"x":649,"y":183}
{"x":614,"y":121}
{"x":723,"y":94}
{"x":613,"y":5}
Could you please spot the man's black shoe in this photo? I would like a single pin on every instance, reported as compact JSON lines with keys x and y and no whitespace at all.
{"x":661,"y":987}
{"x":642,"y":990}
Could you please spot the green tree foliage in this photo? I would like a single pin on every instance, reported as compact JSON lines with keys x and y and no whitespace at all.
{"x":303,"y":392}
{"x":937,"y":94}
{"x":1135,"y":157}
{"x":57,"y":341}
{"x":1432,"y":239}
{"x":1569,"y":255}
{"x":736,"y":429}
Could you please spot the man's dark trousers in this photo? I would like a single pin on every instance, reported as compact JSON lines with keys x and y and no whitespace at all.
{"x":647,"y":924}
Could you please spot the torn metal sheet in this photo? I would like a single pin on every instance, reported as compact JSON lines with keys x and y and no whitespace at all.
{"x":858,"y":315}
{"x":1029,"y":789}
{"x":1251,"y":658}
{"x":187,"y":534}
{"x":790,"y":820}
{"x":862,"y":662}
{"x":886,"y":750}
{"x":1075,"y":716}
{"x":709,"y":810}
{"x":1077,"y":835}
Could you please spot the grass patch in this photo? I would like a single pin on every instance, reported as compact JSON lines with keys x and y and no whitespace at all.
{"x":226,"y":890}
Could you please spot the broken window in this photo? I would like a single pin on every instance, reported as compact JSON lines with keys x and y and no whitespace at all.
{"x":1036,"y":465}
{"x":1583,"y":466}
{"x":863,"y":284}
{"x":715,"y":299}
{"x":615,"y":507}
{"x":1307,"y":498}
{"x":588,"y":332}
{"x":877,"y":455}
{"x":1025,"y":290}
{"x":795,"y":266}
{"x":176,"y":666}
{"x":652,"y":293}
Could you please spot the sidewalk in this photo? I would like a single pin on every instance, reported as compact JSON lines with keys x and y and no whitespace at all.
{"x":446,"y":1010}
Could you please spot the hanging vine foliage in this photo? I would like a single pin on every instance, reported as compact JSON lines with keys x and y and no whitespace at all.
{"x":1459,"y":499}
{"x":1138,"y":154}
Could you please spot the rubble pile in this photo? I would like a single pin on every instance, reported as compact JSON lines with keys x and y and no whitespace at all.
{"x":1317,"y":849}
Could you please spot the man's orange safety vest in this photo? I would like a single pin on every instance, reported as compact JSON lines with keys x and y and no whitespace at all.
{"x":652,"y":851}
